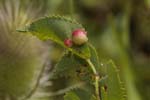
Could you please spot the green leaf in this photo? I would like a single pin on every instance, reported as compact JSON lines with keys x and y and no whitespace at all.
{"x":79,"y":94}
{"x":57,"y":28}
{"x":104,"y":94}
{"x":94,"y":57}
{"x":113,"y":89}
{"x":74,"y":68}
{"x":66,"y":67}
{"x":71,"y":96}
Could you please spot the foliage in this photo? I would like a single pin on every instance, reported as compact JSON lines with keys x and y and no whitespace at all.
{"x":79,"y":63}
{"x":117,"y":30}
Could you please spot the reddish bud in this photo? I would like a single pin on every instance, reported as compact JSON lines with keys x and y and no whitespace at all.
{"x":79,"y":36}
{"x":78,"y":32}
{"x":68,"y":42}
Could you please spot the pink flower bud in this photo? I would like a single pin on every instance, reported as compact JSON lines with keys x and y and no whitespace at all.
{"x":68,"y":42}
{"x":79,"y":36}
{"x":79,"y":31}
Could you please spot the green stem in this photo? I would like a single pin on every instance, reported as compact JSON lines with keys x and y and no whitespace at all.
{"x":96,"y":79}
{"x":97,"y":87}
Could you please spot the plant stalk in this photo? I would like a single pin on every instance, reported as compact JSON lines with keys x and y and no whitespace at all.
{"x":97,"y":78}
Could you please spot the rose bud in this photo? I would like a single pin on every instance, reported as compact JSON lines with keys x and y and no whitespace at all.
{"x":68,"y":42}
{"x":79,"y":36}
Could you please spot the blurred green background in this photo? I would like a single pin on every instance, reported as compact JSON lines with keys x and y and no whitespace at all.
{"x":119,"y":29}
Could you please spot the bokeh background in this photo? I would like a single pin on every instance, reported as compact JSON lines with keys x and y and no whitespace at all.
{"x":119,"y":29}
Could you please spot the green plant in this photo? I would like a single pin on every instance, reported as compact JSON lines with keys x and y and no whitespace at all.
{"x":85,"y":78}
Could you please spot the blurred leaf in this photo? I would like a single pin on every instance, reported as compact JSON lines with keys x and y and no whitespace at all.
{"x":147,"y":3}
{"x":79,"y":94}
{"x":71,"y":96}
{"x":94,"y":57}
{"x":113,"y":87}
{"x":104,"y":94}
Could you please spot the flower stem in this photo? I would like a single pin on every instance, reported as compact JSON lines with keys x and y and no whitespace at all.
{"x":97,"y":91}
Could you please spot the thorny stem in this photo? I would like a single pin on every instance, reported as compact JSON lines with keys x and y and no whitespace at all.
{"x":96,"y":79}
